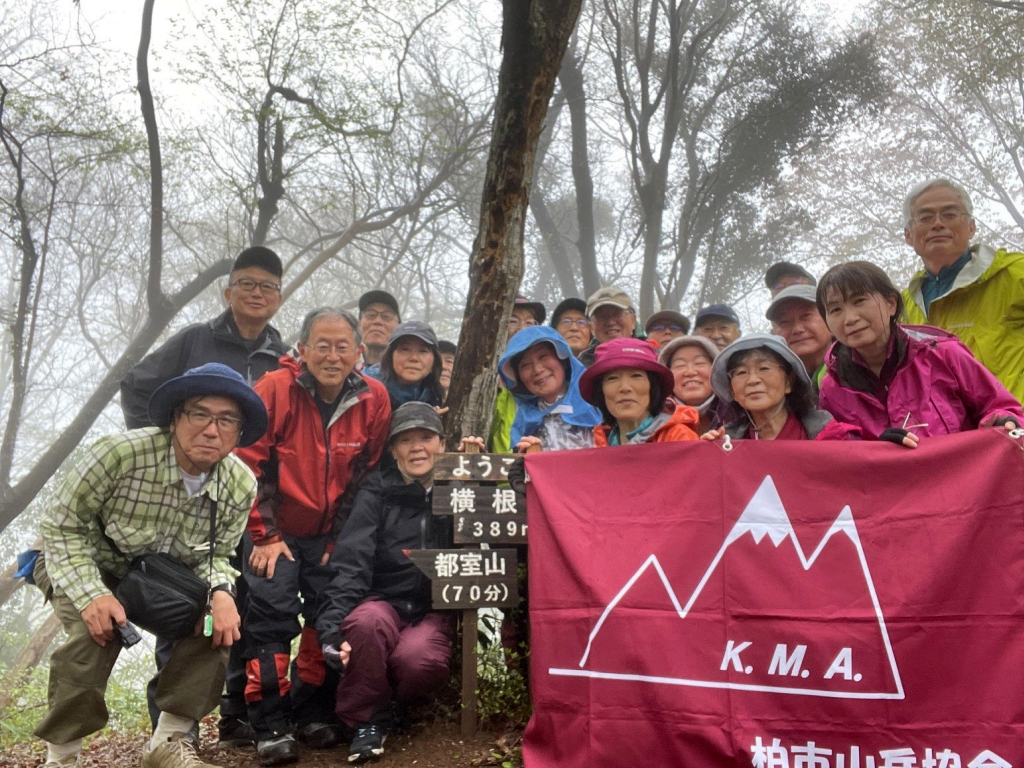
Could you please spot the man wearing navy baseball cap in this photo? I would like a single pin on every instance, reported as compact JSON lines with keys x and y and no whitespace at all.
{"x":379,"y":315}
{"x":720,"y":323}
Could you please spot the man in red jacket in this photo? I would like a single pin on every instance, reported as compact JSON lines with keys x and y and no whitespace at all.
{"x":327,"y":428}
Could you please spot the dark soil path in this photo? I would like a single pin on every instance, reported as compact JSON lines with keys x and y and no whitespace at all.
{"x":438,"y":745}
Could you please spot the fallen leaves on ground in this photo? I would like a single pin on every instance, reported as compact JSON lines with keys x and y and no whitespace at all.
{"x":438,"y":745}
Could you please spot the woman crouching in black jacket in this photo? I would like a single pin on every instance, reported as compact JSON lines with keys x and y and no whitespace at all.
{"x":375,"y":619}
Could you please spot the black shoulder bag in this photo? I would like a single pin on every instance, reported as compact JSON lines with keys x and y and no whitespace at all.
{"x":163,"y":595}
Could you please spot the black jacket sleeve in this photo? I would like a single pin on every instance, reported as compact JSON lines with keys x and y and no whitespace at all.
{"x":353,"y":557}
{"x":163,"y":363}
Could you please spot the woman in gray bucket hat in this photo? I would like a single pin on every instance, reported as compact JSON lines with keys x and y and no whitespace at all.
{"x":769,"y":394}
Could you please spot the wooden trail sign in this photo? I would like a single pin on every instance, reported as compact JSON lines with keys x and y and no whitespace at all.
{"x":473,"y":467}
{"x":469,"y":578}
{"x":466,"y":487}
{"x":492,"y":529}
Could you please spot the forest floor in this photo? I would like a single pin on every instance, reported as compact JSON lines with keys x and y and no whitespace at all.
{"x":434,"y":745}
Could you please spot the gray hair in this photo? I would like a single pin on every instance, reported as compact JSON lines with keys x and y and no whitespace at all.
{"x":920,"y":189}
{"x":320,"y":312}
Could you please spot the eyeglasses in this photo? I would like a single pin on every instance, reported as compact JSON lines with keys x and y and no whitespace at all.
{"x":666,"y":327}
{"x":373,"y":314}
{"x":742,"y":373}
{"x":947,"y":217}
{"x":568,"y":322}
{"x":325,"y":348}
{"x":249,"y":286}
{"x":229,"y":425}
{"x":528,"y":322}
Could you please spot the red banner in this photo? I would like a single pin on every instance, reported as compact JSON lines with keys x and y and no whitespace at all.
{"x":782,"y":605}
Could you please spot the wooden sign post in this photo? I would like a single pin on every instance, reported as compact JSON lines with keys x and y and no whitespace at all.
{"x":467,"y":487}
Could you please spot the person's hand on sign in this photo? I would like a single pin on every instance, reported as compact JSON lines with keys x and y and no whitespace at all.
{"x":263,"y":558}
{"x":713,"y":434}
{"x":529,"y":444}
{"x":1009,"y":423}
{"x":472,"y":441}
{"x":900,"y":437}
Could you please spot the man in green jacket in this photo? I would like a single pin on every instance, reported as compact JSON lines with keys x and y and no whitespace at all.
{"x":972,"y":291}
{"x":148,"y":490}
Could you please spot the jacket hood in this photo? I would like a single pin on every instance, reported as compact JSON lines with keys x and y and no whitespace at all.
{"x":521,"y":342}
{"x":530,"y":412}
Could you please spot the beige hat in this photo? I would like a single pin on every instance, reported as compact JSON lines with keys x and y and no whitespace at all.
{"x":609,"y":296}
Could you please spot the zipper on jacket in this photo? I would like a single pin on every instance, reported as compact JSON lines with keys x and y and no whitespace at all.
{"x":327,"y":483}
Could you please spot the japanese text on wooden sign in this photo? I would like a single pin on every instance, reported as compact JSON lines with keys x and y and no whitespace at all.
{"x":469,"y":578}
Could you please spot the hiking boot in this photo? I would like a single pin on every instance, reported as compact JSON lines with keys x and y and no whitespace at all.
{"x":280,"y":750}
{"x":234,"y":733}
{"x":321,"y":735}
{"x":178,"y":752}
{"x":368,"y":743}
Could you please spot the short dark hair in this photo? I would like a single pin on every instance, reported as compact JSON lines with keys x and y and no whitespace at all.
{"x":656,"y":406}
{"x":446,"y":347}
{"x":799,"y":401}
{"x":259,"y":256}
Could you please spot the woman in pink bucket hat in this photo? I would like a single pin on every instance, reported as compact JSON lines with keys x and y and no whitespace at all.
{"x":631,"y":389}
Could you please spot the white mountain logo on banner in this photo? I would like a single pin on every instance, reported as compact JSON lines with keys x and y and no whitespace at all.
{"x":768,"y":620}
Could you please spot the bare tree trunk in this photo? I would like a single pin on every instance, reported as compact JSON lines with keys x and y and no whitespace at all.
{"x":534,"y":37}
{"x":269,"y":170}
{"x":571,"y":78}
{"x":29,"y":658}
{"x":558,"y":256}
{"x":155,"y":298}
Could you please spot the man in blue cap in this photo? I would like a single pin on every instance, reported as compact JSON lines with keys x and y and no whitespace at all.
{"x":149,"y":490}
{"x":718,"y":322}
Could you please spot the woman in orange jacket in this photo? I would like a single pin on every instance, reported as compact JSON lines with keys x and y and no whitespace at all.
{"x":631,"y":389}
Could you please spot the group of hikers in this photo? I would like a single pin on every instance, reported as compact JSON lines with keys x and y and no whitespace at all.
{"x":292,"y":481}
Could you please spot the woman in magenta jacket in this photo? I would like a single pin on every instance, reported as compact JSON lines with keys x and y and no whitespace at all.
{"x":891,"y":379}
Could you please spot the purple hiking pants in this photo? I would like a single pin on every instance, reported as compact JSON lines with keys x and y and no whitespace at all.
{"x":391,"y":659}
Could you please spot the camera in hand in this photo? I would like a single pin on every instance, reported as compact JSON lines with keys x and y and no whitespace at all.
{"x":128,"y":634}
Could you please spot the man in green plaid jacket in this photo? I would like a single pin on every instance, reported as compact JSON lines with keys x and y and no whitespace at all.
{"x":143,"y":491}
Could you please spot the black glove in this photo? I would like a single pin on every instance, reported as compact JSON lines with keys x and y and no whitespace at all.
{"x":894,"y":435}
{"x":1002,"y":421}
{"x":332,"y":657}
{"x":517,"y":476}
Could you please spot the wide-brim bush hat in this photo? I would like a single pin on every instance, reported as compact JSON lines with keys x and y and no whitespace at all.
{"x":624,"y":353}
{"x":212,"y":379}
{"x":777,"y":344}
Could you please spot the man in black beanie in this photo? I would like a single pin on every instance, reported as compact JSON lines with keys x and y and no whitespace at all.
{"x":242,"y":339}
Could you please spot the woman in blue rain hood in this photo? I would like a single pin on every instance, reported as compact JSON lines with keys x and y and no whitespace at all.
{"x":542,"y":374}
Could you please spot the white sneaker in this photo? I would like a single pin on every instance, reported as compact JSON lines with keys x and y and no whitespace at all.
{"x":67,"y":762}
{"x":179,"y":752}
